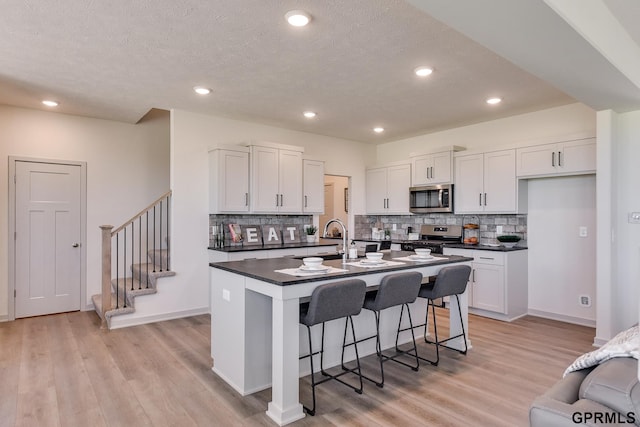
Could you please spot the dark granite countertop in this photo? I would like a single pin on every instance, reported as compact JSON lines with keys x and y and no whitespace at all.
{"x":263,"y":269}
{"x":485,"y":247}
{"x":247,"y":248}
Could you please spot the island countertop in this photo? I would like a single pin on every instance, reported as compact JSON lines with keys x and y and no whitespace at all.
{"x":264,"y":269}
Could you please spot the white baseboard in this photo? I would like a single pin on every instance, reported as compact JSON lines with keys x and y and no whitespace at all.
{"x":563,"y":318}
{"x":4,"y":318}
{"x":118,"y":322}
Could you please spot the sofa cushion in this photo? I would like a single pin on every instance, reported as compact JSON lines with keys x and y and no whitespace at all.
{"x":614,"y":383}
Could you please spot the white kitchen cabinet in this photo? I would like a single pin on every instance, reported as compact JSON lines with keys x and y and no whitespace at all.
{"x":563,"y":158}
{"x":433,"y":168}
{"x":388,"y":189}
{"x":313,"y":186}
{"x":498,"y":282}
{"x":487,"y":183}
{"x":229,"y":180}
{"x":276,"y":180}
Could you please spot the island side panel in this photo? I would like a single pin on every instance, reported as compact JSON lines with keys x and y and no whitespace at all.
{"x":227,"y":327}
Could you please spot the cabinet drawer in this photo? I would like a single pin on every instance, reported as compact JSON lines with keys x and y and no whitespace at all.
{"x":488,"y":257}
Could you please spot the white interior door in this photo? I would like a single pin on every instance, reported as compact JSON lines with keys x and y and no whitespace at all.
{"x":328,"y":207}
{"x":47,"y":240}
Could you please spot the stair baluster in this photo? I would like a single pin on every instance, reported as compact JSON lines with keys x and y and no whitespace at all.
{"x":110,"y":237}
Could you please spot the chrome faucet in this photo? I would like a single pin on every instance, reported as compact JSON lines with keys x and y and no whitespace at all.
{"x":344,"y":237}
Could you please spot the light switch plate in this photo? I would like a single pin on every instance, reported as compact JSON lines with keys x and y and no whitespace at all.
{"x":634,"y":217}
{"x":226,"y":295}
{"x":583,"y":231}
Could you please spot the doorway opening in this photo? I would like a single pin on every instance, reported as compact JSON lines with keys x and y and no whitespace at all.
{"x":336,"y":204}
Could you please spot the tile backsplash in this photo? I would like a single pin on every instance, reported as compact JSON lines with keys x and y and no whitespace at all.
{"x":254,"y":220}
{"x":511,"y":224}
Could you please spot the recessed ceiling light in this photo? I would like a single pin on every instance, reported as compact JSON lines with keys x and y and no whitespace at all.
{"x":50,"y":103}
{"x":493,"y":101}
{"x":297,"y":18}
{"x":309,"y":114}
{"x":423,"y":71}
{"x":201,"y":90}
{"x":378,"y":129}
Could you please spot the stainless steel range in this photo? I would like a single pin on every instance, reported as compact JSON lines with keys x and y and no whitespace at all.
{"x":434,"y":237}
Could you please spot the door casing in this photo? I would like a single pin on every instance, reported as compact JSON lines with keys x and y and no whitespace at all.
{"x":12,"y":228}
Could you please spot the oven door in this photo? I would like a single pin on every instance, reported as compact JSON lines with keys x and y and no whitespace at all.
{"x":433,"y":198}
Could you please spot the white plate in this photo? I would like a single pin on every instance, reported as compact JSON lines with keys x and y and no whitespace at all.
{"x":372,"y":262}
{"x":318,"y":269}
{"x":421,"y":258}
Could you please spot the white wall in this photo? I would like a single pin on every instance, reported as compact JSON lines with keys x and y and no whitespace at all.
{"x":562,"y":265}
{"x":339,"y":184}
{"x":192,"y":135}
{"x":127,"y":168}
{"x":541,"y":126}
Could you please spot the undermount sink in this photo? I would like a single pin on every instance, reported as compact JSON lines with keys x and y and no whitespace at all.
{"x":323,"y":256}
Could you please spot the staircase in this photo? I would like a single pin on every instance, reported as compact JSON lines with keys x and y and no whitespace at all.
{"x":136,"y":244}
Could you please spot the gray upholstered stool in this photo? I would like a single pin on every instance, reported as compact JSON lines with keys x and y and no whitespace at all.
{"x":329,"y":302}
{"x":397,"y":289}
{"x":450,"y":281}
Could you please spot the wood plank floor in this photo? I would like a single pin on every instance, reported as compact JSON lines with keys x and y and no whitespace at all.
{"x":62,"y":370}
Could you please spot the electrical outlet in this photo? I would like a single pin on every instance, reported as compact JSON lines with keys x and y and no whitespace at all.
{"x":498,"y":229}
{"x":583,"y":231}
{"x":226,"y":295}
{"x":584,"y":300}
{"x":634,"y":217}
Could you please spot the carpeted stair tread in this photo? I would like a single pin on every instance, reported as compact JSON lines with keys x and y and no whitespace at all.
{"x":138,"y":288}
{"x":97,"y":303}
{"x":160,"y":258}
{"x":140,"y":272}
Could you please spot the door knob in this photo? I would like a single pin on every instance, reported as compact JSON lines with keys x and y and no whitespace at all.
{"x":75,"y":245}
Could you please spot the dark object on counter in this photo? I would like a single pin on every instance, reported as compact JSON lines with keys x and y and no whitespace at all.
{"x":508,"y":238}
{"x":330,"y":302}
{"x":371,"y":248}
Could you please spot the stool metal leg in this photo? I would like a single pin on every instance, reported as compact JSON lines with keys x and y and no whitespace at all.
{"x":440,"y":343}
{"x":411,"y":352}
{"x":311,"y":411}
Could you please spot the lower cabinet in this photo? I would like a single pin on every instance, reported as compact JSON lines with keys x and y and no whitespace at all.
{"x":498,"y":283}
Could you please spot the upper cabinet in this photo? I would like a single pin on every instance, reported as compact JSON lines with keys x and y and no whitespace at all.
{"x":388,"y":189}
{"x":229,"y":180}
{"x":563,"y":158}
{"x":433,"y":168}
{"x":313,"y":186}
{"x":487,"y":183}
{"x":276,"y":179}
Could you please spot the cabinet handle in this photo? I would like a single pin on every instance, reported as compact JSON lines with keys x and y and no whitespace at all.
{"x":246,"y":199}
{"x":485,"y":199}
{"x":305,"y":201}
{"x":485,"y":257}
{"x":473,"y":275}
{"x":281,"y":200}
{"x":553,"y":158}
{"x":559,"y":159}
{"x":480,"y":199}
{"x":431,"y":172}
{"x":277,"y":201}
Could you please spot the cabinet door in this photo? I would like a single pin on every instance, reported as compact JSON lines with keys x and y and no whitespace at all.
{"x":421,"y":170}
{"x":376,"y":190}
{"x":537,"y":160}
{"x":468,"y":188}
{"x":290,"y":181}
{"x":264,"y":179}
{"x":488,"y":287}
{"x":313,"y":183}
{"x":398,"y":183}
{"x":233,"y":187}
{"x":500,"y":183}
{"x":441,"y":172}
{"x":577,"y":156}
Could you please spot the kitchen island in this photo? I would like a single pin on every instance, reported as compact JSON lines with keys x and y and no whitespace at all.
{"x":255,"y":334}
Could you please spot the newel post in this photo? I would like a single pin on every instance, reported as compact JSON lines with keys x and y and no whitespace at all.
{"x":106,"y":272}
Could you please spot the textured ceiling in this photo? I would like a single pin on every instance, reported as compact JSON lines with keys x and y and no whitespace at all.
{"x":352,"y":65}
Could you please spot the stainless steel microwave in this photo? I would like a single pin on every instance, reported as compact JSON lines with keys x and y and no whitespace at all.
{"x":431,"y":198}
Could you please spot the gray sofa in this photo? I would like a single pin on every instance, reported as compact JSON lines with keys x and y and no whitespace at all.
{"x":606,"y":394}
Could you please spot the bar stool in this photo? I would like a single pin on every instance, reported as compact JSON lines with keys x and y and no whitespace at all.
{"x":394,"y":290}
{"x":450,"y":281}
{"x":329,"y":302}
